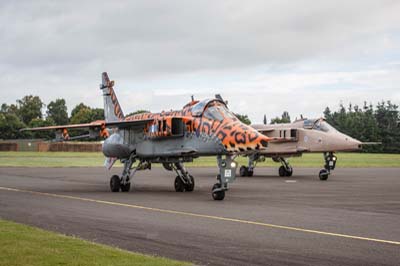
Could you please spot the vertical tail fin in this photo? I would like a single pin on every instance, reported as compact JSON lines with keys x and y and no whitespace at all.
{"x":112,"y":109}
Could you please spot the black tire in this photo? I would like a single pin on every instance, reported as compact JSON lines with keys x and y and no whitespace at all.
{"x":115,"y":183}
{"x":179,"y":185}
{"x":250,"y":173}
{"x":126,"y":187}
{"x":323,"y":175}
{"x":167,"y":166}
{"x":289,"y":172}
{"x":190,"y":187}
{"x":282,"y":171}
{"x":243,"y":171}
{"x":218,"y":195}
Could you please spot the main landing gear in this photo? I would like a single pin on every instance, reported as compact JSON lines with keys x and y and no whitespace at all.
{"x":123,"y":183}
{"x":227,"y":174}
{"x":285,"y":169}
{"x":330,"y":163}
{"x":184,"y":181}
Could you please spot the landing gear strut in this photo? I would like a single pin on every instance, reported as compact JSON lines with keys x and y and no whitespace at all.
{"x":184,"y":181}
{"x":249,"y":170}
{"x":123,"y":183}
{"x":227,"y":174}
{"x":330,"y":163}
{"x":285,"y":169}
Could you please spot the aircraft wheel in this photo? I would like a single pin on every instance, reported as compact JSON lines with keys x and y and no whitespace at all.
{"x":218,"y":195}
{"x":126,"y":187}
{"x":282,"y":171}
{"x":243,"y":171}
{"x":289,"y":172}
{"x":190,"y":187}
{"x":115,"y":183}
{"x":250,"y":173}
{"x":179,"y":185}
{"x":323,"y":175}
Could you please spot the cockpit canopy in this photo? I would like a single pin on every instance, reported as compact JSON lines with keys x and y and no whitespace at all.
{"x":213,"y":109}
{"x":318,"y":124}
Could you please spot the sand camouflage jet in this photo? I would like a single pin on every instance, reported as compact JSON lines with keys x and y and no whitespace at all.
{"x":303,"y":135}
{"x":201,"y":128}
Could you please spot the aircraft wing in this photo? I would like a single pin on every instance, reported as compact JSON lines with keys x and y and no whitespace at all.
{"x":99,"y":123}
{"x":73,"y":126}
{"x":94,"y":128}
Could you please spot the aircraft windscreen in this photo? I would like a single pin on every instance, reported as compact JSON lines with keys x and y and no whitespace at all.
{"x":218,"y":112}
{"x":323,"y":126}
{"x":326,"y":127}
{"x":198,"y":109}
{"x":309,"y":123}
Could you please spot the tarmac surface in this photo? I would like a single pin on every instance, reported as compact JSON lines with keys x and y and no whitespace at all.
{"x":351,"y":219}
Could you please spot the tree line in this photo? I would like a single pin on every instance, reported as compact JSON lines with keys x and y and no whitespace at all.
{"x":366,"y":123}
{"x":379,"y":125}
{"x":27,"y":112}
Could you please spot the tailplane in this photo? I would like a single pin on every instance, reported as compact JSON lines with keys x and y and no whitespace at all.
{"x":112,"y":109}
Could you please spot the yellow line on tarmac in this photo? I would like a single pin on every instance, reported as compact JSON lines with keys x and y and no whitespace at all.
{"x":212,"y":217}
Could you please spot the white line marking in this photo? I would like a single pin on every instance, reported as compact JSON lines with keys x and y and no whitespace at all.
{"x":202,"y":216}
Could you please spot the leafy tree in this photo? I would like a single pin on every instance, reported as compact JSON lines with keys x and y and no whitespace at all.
{"x":77,"y":108}
{"x":387,"y":117}
{"x":50,"y":134}
{"x":10,"y":124}
{"x":244,"y":119}
{"x":30,"y":107}
{"x":57,"y":112}
{"x":97,"y":114}
{"x":285,"y":118}
{"x":84,"y":115}
{"x":369,"y":125}
{"x":9,"y":109}
{"x":138,"y":112}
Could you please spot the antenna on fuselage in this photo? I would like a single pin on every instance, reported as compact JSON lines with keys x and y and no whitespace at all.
{"x":192,"y":98}
{"x":265,"y":119}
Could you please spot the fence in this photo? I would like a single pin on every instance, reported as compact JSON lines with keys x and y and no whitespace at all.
{"x":44,"y":146}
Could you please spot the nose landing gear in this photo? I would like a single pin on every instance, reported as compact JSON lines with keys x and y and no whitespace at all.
{"x":330,"y":164}
{"x":227,"y":174}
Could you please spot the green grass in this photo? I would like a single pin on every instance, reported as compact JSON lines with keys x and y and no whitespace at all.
{"x":96,"y":159}
{"x":29,"y":246}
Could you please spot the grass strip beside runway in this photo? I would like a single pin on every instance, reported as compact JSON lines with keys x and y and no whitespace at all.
{"x":96,"y":159}
{"x":26,"y":245}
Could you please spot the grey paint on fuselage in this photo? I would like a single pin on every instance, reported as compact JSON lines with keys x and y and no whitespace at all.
{"x":121,"y":144}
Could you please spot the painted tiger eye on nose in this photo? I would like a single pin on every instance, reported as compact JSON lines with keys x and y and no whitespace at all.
{"x":264,"y":143}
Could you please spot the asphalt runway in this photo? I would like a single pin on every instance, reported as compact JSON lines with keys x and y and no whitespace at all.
{"x":351,"y":219}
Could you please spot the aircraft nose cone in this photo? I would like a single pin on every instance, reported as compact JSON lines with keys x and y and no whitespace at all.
{"x":355,"y":144}
{"x":351,"y":144}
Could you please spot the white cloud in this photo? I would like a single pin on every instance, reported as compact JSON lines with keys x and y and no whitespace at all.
{"x":265,"y":57}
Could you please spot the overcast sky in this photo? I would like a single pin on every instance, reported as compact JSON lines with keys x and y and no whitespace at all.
{"x":264,"y":57}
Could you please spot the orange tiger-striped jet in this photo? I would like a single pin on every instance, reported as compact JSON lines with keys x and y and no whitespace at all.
{"x":201,"y":128}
